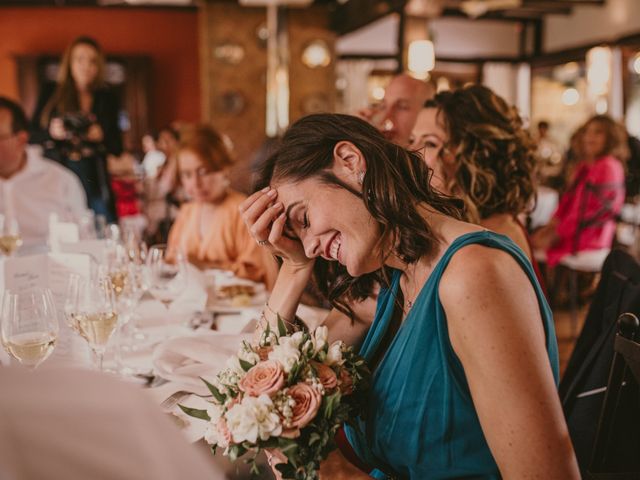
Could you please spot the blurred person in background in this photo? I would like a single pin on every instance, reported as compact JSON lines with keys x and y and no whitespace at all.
{"x":596,"y":188}
{"x":479,"y":152}
{"x":153,"y":159}
{"x":163,"y":193}
{"x":209,"y":229}
{"x":396,"y":114}
{"x":548,"y":153}
{"x":76,"y":122}
{"x":32,"y":187}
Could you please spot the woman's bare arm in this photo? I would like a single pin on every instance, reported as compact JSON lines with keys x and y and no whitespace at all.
{"x":496,"y":330}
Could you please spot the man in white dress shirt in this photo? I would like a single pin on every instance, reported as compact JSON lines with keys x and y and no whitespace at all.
{"x":32,"y":187}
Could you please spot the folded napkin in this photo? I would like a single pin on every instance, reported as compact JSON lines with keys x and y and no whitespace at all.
{"x":186,"y":359}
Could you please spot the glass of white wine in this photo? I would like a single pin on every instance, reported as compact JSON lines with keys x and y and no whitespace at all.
{"x":90,"y":310}
{"x":167,"y":273}
{"x":10,"y":239}
{"x":29,"y":325}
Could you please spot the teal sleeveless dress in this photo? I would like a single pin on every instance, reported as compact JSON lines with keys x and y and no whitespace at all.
{"x":421,"y":422}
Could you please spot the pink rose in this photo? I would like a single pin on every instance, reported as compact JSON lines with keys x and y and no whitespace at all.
{"x":263,"y":353}
{"x":326,"y":375}
{"x":346,"y":382}
{"x":224,"y":435}
{"x":307,"y":400}
{"x":263,"y":378}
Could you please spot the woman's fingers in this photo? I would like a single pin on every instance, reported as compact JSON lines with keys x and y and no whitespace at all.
{"x":257,"y":208}
{"x":251,"y":199}
{"x":261,"y":227}
{"x":277,"y":228}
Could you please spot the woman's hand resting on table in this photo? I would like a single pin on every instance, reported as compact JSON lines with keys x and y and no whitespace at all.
{"x":265,"y":218}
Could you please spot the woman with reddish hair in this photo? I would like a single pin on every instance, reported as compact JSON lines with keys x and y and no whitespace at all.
{"x":209,"y":228}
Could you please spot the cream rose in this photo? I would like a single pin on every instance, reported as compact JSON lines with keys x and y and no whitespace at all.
{"x":334,"y":355}
{"x":286,"y":354}
{"x":326,"y":376}
{"x":307,"y":400}
{"x":264,"y":378}
{"x":253,"y":418}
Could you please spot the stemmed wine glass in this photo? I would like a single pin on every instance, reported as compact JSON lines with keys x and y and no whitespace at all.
{"x":29,"y":325}
{"x":90,"y":310}
{"x":167,"y":272}
{"x":10,"y":239}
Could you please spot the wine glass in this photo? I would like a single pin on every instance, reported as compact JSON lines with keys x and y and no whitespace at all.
{"x":10,"y":239}
{"x":29,"y":326}
{"x":167,"y":273}
{"x":91,"y":311}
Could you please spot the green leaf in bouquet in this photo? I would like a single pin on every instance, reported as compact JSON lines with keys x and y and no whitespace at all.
{"x":292,"y":378}
{"x":289,"y":449}
{"x":236,"y":451}
{"x":254,"y":470}
{"x":286,"y":470}
{"x":314,"y":438}
{"x":213,"y":449}
{"x":196,"y":413}
{"x":330,"y":404}
{"x":282,"y":329}
{"x":246,"y":366}
{"x":214,"y":391}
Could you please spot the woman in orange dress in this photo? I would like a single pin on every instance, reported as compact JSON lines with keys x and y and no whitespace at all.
{"x":209,"y":229}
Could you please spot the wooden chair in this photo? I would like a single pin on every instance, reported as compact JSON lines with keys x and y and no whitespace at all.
{"x":621,"y":408}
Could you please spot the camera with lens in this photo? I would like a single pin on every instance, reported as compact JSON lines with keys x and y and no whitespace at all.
{"x":77,"y":124}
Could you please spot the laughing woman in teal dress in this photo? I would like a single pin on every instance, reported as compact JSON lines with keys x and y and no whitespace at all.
{"x":462,"y":347}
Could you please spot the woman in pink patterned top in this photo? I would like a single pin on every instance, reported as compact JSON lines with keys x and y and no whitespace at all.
{"x":585,"y":218}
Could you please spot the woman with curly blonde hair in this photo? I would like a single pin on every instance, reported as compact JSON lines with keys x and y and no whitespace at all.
{"x":479,"y":152}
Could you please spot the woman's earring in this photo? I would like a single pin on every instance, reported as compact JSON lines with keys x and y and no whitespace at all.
{"x":361,"y":177}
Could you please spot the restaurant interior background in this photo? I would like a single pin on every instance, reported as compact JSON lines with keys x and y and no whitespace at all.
{"x":252,"y":67}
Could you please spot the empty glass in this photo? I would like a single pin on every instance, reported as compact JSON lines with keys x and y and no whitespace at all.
{"x":167,"y":273}
{"x":29,"y":326}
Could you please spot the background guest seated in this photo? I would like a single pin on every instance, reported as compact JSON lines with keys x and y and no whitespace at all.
{"x":595,"y":195}
{"x":479,"y":151}
{"x":209,"y":228}
{"x":32,"y":187}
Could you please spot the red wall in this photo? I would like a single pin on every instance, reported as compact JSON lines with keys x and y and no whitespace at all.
{"x":168,"y":36}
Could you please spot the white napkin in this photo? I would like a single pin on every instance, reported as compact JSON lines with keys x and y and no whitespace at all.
{"x":186,"y":359}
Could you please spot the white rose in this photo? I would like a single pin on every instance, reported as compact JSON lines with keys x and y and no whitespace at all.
{"x":296,"y":339}
{"x":334,"y":355}
{"x":215,"y":412}
{"x":320,"y":338}
{"x":211,"y":434}
{"x":253,"y":418}
{"x":286,"y":354}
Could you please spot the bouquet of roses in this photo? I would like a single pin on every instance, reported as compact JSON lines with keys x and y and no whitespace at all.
{"x":287,"y":392}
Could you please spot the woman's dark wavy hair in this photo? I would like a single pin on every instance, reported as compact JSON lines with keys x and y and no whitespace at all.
{"x":495,"y":155}
{"x":395,"y":181}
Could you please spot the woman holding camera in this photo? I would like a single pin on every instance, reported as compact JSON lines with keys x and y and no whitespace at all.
{"x":76,"y":121}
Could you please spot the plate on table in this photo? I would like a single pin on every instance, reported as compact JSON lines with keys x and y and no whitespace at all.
{"x":232,"y":294}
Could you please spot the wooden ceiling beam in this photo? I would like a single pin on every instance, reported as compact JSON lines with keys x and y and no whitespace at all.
{"x":356,"y":14}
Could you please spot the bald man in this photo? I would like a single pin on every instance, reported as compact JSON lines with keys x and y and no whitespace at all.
{"x":396,"y":115}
